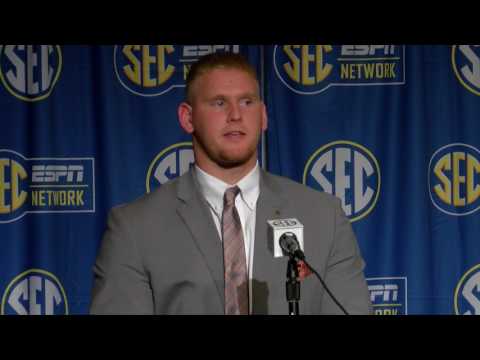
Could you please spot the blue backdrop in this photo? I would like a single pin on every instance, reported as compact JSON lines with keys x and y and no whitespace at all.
{"x":391,"y":130}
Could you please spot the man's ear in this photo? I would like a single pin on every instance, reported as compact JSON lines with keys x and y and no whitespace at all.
{"x":264,"y":118}
{"x":185,"y":117}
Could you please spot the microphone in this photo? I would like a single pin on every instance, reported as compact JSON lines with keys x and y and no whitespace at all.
{"x":290,"y":246}
{"x":277,"y":228}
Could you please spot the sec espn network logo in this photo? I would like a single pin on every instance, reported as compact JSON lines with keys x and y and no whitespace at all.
{"x":466,"y":65}
{"x":348,"y":171}
{"x":453,"y":180}
{"x":312,"y":69}
{"x":30,"y":72}
{"x":44,"y":185}
{"x":467,"y":293}
{"x":170,"y":163}
{"x":152,"y":70}
{"x":34,"y":292}
{"x":388,"y":295}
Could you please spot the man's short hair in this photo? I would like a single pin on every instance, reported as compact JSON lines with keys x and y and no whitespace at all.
{"x":222,"y":60}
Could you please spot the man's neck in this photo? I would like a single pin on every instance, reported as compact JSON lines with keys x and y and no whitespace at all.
{"x":228,"y":175}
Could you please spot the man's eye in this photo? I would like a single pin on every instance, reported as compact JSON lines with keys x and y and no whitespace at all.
{"x":247,"y":102}
{"x":219,"y":102}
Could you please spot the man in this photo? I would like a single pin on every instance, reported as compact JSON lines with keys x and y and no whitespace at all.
{"x":199,"y":244}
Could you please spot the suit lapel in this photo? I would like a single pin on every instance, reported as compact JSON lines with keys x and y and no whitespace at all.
{"x":195,"y":213}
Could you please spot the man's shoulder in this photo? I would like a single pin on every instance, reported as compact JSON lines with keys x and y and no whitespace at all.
{"x":161,"y":199}
{"x":293,"y":189}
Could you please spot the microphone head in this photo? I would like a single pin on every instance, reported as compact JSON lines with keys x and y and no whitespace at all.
{"x":290,"y":245}
{"x":278,"y":227}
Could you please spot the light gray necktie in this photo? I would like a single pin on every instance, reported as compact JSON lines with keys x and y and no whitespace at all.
{"x":236,"y":277}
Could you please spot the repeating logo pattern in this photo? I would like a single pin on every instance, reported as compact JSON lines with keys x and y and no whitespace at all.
{"x":388,"y":295}
{"x":312,"y":69}
{"x":170,"y":163}
{"x":44,"y":185}
{"x":30,"y":72}
{"x":466,"y":65}
{"x":453,"y":179}
{"x":467,"y":293}
{"x":34,"y":292}
{"x":153,"y":70}
{"x":349,"y":171}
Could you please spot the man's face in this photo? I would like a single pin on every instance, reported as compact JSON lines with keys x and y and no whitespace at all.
{"x":226,"y":117}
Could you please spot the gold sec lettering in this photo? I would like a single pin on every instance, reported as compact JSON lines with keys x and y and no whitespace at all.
{"x":457,"y":179}
{"x":147,"y":60}
{"x":323,"y":69}
{"x":4,"y":186}
{"x":473,"y":167}
{"x":449,"y":190}
{"x":17,"y":173}
{"x":139,"y":70}
{"x":164,"y":72}
{"x":292,"y":68}
{"x":133,"y":70}
{"x":298,"y":68}
{"x":445,"y":192}
{"x":18,"y":197}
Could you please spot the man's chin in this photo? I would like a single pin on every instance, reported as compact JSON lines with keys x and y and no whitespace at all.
{"x":231,"y":161}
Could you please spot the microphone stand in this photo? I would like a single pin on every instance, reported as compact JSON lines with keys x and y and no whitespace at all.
{"x":292,"y":287}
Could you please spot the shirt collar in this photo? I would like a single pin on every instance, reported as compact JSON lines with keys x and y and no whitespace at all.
{"x":213,"y":188}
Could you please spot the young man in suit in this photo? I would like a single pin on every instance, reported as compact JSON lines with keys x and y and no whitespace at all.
{"x":199,"y":244}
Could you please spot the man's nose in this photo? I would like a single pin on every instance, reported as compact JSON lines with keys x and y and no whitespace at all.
{"x":235,"y":112}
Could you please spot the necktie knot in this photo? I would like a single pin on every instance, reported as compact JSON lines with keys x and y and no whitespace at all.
{"x":230,"y":195}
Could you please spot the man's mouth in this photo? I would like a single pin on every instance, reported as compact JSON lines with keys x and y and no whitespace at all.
{"x":234,"y":134}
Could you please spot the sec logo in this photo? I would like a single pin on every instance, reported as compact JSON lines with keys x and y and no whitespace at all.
{"x":348,"y":171}
{"x":453,"y":179}
{"x":30,"y":72}
{"x":467,"y":293}
{"x":466,"y":65}
{"x":170,"y":163}
{"x":35,"y":292}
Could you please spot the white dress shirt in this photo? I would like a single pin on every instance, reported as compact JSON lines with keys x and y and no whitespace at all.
{"x":213,"y":190}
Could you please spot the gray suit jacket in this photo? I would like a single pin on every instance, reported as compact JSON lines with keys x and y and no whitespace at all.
{"x":161,"y":254}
